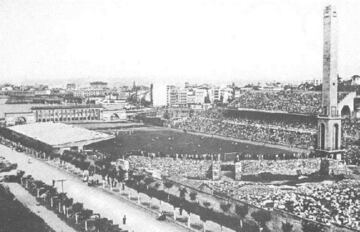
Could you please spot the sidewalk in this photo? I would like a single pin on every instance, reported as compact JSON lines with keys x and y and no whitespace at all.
{"x":30,"y":202}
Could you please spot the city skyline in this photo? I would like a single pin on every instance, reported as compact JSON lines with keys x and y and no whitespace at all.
{"x":171,"y":42}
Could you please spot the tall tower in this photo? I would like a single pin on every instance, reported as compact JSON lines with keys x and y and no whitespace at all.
{"x":329,"y":121}
{"x":151,"y":94}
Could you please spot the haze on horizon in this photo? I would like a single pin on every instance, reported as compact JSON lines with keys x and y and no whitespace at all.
{"x":168,"y":41}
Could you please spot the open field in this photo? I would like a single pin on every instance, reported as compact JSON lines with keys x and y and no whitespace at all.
{"x":172,"y":142}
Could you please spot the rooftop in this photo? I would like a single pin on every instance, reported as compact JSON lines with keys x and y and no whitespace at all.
{"x":59,"y":134}
{"x":50,"y":107}
{"x":98,"y":83}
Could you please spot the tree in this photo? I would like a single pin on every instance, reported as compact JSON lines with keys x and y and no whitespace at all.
{"x":204,"y":215}
{"x":148,"y":181}
{"x":183,"y":191}
{"x":168,"y":185}
{"x":166,"y":115}
{"x":157,"y":185}
{"x":207,"y":204}
{"x":77,"y":207}
{"x":225,"y":207}
{"x":261,"y":217}
{"x":193,"y":196}
{"x":309,"y":226}
{"x":287,"y":227}
{"x":138,"y":178}
{"x":242,"y":211}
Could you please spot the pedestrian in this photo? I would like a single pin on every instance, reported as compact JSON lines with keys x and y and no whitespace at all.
{"x":124,"y":219}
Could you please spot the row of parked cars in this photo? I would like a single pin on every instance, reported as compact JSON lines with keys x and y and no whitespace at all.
{"x":6,"y":166}
{"x":73,"y":213}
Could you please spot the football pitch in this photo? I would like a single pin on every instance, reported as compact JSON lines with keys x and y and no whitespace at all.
{"x":172,"y":142}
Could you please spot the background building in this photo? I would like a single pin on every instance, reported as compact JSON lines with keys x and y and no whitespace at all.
{"x":67,"y":113}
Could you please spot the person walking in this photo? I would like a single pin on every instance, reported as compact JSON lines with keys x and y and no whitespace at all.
{"x":124,"y":219}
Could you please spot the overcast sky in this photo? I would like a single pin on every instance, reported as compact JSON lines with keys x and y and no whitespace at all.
{"x":172,"y":41}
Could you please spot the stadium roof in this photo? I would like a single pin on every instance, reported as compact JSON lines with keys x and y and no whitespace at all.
{"x":59,"y":134}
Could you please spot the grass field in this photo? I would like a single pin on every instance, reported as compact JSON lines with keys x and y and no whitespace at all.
{"x":172,"y":142}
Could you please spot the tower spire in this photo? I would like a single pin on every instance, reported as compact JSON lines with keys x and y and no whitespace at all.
{"x":329,"y":121}
{"x":330,"y":64}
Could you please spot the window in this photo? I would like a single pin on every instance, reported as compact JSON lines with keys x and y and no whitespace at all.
{"x":336,"y":136}
{"x":325,"y":110}
{"x":322,"y":136}
{"x":333,"y":111}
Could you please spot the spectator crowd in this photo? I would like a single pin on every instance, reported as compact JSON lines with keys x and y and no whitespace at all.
{"x":303,"y":102}
{"x":328,"y":203}
{"x":170,"y":167}
{"x":247,"y":129}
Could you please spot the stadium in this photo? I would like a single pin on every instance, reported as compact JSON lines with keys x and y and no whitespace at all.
{"x":270,"y":160}
{"x":252,"y":157}
{"x":259,"y":155}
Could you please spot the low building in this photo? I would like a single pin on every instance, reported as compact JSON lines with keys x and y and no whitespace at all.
{"x":42,"y":92}
{"x":70,"y":86}
{"x":58,"y":135}
{"x":89,"y":92}
{"x":67,"y":113}
{"x":16,"y":118}
{"x":98,"y":85}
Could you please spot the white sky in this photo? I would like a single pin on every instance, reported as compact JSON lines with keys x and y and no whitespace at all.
{"x":172,"y":41}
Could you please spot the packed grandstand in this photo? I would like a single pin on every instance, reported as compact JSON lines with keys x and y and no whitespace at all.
{"x":302,"y":102}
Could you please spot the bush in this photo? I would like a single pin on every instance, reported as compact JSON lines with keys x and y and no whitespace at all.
{"x":193,"y":196}
{"x":168,"y":184}
{"x":242,"y":210}
{"x":77,"y":207}
{"x":183,"y":191}
{"x":287,"y":227}
{"x":309,"y":226}
{"x":225,"y":207}
{"x":206,"y":204}
{"x":261,"y":217}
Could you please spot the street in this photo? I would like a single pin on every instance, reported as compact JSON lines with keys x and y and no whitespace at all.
{"x":96,"y":199}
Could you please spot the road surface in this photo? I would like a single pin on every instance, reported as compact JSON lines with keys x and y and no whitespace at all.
{"x":30,"y":202}
{"x":96,"y":199}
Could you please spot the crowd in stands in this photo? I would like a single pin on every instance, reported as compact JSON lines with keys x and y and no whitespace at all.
{"x":170,"y":167}
{"x":285,"y":101}
{"x":282,"y":167}
{"x":328,"y":203}
{"x":272,"y":130}
{"x":337,"y":203}
{"x":352,"y":156}
{"x":234,"y":156}
{"x":249,"y":130}
{"x":198,"y":168}
{"x":351,"y":128}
